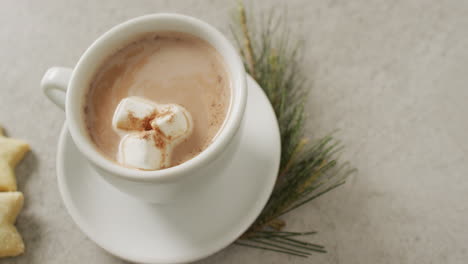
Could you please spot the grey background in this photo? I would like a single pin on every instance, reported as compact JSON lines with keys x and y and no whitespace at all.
{"x":391,"y":75}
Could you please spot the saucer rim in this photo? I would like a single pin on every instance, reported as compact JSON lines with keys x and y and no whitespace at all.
{"x":229,"y":237}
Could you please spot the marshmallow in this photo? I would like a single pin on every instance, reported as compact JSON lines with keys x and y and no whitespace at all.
{"x":175,"y":122}
{"x":143,"y":150}
{"x":131,"y":113}
{"x":149,"y":132}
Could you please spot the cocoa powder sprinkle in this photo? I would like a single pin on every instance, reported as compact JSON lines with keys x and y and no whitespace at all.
{"x":146,"y":124}
{"x":159,"y":142}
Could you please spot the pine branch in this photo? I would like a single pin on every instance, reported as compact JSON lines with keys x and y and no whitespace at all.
{"x":308,"y":169}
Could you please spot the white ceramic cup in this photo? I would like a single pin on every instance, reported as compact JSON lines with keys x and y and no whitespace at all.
{"x":67,"y":88}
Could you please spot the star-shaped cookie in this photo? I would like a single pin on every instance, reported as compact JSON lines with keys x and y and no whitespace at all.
{"x":11,"y":243}
{"x":11,"y":152}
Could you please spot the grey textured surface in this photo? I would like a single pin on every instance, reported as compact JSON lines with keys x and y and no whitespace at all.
{"x":391,"y":75}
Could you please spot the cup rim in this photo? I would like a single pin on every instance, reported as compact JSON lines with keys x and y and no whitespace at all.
{"x":230,"y":127}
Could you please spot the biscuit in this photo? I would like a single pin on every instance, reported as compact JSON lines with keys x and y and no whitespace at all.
{"x":12,"y":151}
{"x":11,"y":243}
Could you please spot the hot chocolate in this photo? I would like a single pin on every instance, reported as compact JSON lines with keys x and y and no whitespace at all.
{"x":166,"y":68}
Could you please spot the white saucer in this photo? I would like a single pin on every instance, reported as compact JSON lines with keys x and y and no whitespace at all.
{"x":177,"y":232}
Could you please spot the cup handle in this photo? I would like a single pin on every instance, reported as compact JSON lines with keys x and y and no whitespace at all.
{"x":54,"y":84}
